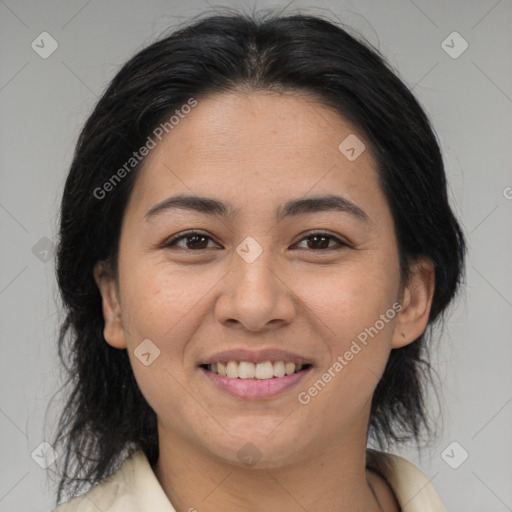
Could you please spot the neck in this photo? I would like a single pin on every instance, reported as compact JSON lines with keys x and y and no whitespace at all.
{"x":334,"y":479}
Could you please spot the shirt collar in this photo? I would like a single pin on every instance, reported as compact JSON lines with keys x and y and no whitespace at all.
{"x":135,"y":487}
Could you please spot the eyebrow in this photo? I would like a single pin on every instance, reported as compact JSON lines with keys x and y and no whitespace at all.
{"x":291,"y":208}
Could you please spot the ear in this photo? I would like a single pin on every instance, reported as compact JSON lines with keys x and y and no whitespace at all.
{"x":416,"y":303}
{"x":106,"y":281}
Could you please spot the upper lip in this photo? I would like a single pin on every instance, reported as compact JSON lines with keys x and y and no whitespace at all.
{"x":256,"y":356}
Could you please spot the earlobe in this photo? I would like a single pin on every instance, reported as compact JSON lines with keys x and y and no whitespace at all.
{"x":113,"y":331}
{"x":417,"y":301}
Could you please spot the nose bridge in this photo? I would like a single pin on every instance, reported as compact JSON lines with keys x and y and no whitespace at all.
{"x":254,"y":293}
{"x":255,"y":267}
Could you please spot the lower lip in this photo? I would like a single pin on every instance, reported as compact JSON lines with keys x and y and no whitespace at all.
{"x":254,"y":388}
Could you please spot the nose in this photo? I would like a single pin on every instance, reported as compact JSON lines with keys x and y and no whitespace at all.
{"x":256,"y":295}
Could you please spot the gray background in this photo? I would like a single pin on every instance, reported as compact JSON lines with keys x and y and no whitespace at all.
{"x":44,"y":102}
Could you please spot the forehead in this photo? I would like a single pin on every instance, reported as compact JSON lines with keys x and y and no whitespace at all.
{"x":258,"y":148}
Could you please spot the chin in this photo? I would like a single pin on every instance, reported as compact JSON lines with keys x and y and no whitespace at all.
{"x":257,"y":448}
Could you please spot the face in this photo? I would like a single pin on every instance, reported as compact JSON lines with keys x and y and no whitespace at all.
{"x":317,"y":283}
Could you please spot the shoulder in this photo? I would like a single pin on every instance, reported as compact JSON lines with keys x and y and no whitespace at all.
{"x":412,"y":488}
{"x":133,"y":488}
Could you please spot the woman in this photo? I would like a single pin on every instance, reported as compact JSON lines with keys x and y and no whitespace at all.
{"x":255,"y":240}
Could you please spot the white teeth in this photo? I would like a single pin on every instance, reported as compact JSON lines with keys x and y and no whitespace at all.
{"x":232,"y":370}
{"x":246,"y":370}
{"x":264,"y":370}
{"x":221,"y":369}
{"x":260,"y":371}
{"x":279,"y":370}
{"x":289,"y":368}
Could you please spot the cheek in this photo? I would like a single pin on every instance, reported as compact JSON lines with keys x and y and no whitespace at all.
{"x":157,"y":306}
{"x":354,"y":315}
{"x":158,"y":301}
{"x":348,"y":299}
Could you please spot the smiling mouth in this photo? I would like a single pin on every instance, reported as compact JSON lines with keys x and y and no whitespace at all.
{"x":246,"y":370}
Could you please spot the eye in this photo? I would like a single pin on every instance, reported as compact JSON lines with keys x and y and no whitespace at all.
{"x":197,"y":240}
{"x":320,"y":240}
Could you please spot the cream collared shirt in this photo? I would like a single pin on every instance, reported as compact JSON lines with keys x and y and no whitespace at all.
{"x":135,"y":488}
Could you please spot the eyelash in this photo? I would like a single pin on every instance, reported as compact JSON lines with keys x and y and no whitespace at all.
{"x":189,"y":234}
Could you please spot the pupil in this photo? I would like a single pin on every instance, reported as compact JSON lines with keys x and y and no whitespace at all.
{"x":323,"y":245}
{"x":196,"y":237}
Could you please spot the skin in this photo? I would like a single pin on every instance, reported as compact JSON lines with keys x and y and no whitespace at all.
{"x":255,"y":151}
